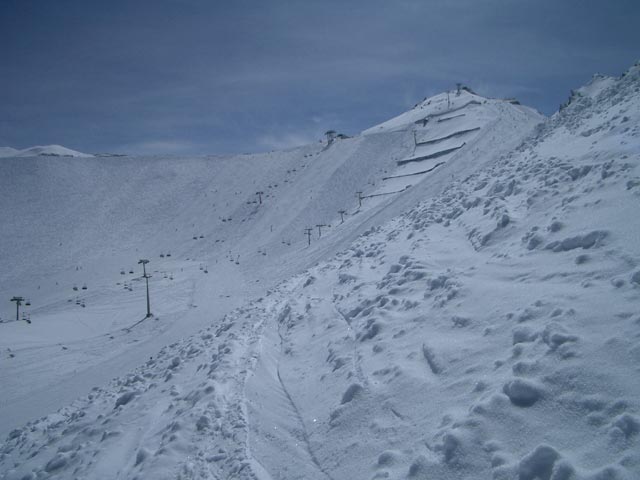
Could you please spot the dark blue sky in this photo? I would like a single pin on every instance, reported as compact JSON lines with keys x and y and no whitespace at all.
{"x":196,"y":76}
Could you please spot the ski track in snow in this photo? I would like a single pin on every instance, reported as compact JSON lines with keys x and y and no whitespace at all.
{"x":303,"y":428}
{"x":480,"y":326}
{"x":357,"y":364}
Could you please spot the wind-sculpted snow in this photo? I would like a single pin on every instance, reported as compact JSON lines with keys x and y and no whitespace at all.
{"x":489,"y":331}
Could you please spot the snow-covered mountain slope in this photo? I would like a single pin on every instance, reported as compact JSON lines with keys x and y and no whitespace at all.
{"x":43,"y":151}
{"x":484,"y":325}
{"x":87,"y":222}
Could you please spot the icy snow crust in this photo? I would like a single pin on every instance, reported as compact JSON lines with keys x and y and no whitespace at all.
{"x":480,"y":326}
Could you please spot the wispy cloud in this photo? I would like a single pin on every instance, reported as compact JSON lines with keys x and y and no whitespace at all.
{"x":156,"y":147}
{"x":286,"y":140}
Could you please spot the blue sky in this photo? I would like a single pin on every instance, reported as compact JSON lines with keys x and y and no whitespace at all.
{"x":197,"y":77}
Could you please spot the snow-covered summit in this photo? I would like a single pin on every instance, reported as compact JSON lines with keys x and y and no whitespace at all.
{"x":439,"y":107}
{"x":43,"y":151}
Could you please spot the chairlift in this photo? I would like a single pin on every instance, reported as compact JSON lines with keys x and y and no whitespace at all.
{"x":75,"y":288}
{"x":131,"y":271}
{"x":168,"y":254}
{"x":27,"y":303}
{"x":84,"y":287}
{"x":162,"y":255}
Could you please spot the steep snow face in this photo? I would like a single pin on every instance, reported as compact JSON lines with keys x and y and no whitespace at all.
{"x":484,"y":325}
{"x":491,"y":332}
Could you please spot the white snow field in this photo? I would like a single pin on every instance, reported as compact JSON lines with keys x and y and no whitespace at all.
{"x":476,"y":317}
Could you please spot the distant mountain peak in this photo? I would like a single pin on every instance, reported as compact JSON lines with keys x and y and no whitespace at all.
{"x":42,"y":150}
{"x":7,"y":151}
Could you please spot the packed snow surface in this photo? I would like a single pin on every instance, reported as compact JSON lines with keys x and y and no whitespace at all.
{"x":45,"y":151}
{"x":474,"y":316}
